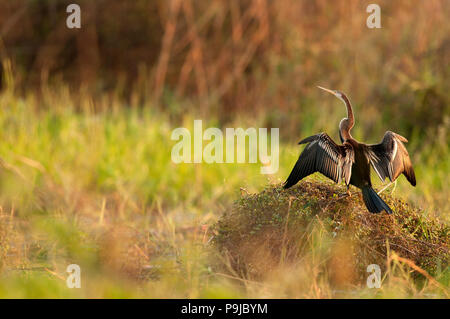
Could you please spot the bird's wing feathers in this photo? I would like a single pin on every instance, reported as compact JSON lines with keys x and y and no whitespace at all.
{"x":323,"y":155}
{"x":390,"y":158}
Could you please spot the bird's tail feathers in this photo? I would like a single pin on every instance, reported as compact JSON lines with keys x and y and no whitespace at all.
{"x":373,"y":201}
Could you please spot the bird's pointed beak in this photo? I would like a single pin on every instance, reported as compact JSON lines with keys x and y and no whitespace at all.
{"x":329,"y":91}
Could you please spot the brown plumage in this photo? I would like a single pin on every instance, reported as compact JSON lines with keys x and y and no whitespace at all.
{"x":390,"y":158}
{"x":351,"y":161}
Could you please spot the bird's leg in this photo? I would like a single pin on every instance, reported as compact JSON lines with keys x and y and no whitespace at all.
{"x":347,"y":193}
{"x":382,"y":190}
{"x":395,"y":185}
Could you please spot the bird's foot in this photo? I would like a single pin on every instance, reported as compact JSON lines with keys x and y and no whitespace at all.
{"x":346,"y":194}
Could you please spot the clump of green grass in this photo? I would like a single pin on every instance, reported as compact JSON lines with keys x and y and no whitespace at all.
{"x":314,"y":226}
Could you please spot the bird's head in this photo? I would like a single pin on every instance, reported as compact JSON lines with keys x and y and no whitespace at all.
{"x":349,"y":121}
{"x":336,"y":93}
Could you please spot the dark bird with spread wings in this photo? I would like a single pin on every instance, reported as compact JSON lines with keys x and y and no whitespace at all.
{"x":351,"y":161}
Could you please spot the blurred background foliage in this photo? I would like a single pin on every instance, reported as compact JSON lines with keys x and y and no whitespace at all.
{"x":242,"y":56}
{"x":87,"y":114}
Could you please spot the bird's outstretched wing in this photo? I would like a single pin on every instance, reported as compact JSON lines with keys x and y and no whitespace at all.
{"x":390,"y":158}
{"x":323,"y":155}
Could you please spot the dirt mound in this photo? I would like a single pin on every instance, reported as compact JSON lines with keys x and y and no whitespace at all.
{"x":313,"y":223}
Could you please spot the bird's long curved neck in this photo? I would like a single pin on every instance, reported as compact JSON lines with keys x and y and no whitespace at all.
{"x":350,"y":121}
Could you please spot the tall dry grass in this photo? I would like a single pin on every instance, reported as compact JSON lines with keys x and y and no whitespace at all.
{"x":234,"y":56}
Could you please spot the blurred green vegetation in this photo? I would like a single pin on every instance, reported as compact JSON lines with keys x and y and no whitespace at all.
{"x":99,"y":189}
{"x":86,"y":116}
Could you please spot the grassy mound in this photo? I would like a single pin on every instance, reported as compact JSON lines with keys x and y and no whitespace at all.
{"x":313,"y":226}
